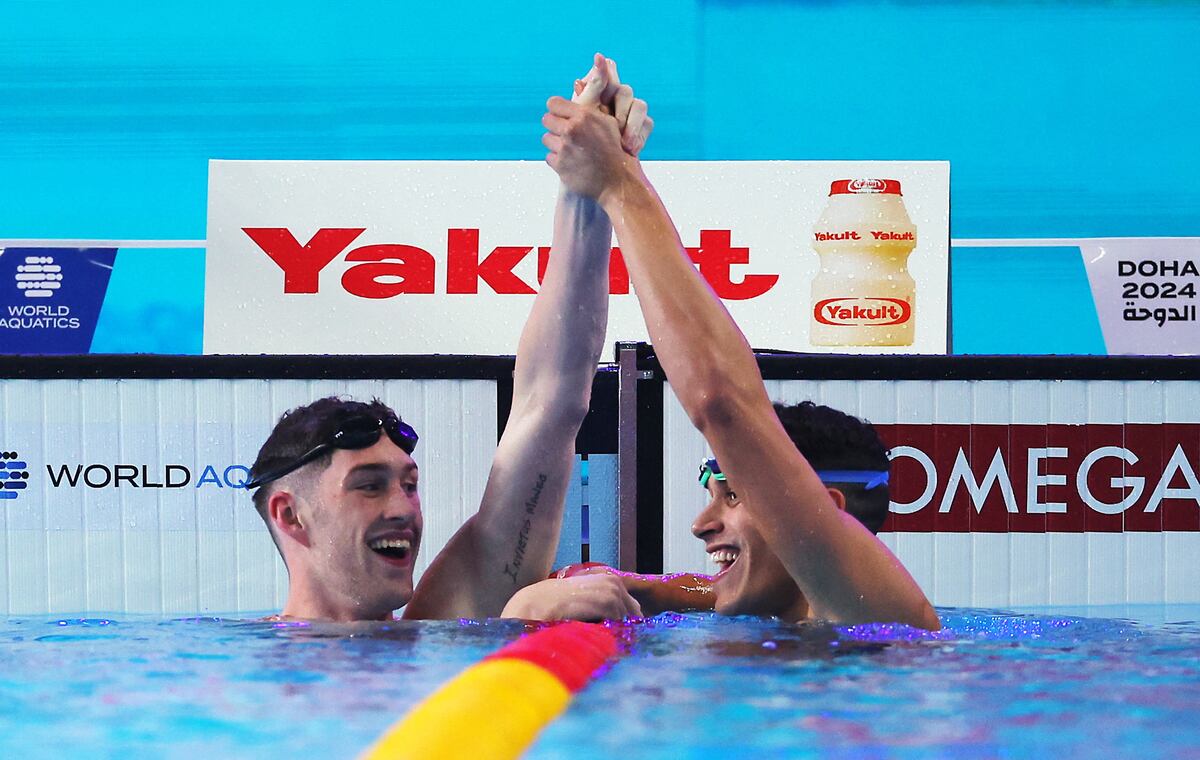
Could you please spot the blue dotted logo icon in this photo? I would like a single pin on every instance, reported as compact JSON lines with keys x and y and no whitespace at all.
{"x":14,"y":475}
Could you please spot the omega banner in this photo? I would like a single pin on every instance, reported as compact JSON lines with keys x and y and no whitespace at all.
{"x":1093,"y":478}
{"x":408,"y":257}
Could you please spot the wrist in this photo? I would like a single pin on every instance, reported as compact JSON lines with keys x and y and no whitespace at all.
{"x":624,"y":187}
{"x":573,"y":199}
{"x":576,"y":210}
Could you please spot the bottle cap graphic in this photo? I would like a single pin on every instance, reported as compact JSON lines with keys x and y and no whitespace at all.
{"x":865,"y":186}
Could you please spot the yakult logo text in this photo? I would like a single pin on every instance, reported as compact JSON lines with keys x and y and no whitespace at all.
{"x":825,"y":237}
{"x":875,"y":312}
{"x":390,"y":269}
{"x":867,"y":186}
{"x":1044,"y":478}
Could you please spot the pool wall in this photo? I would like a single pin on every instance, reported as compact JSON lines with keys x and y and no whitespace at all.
{"x":995,"y":540}
{"x":175,"y":534}
{"x":77,"y":540}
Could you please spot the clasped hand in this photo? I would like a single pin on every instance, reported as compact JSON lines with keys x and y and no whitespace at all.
{"x":595,"y":137}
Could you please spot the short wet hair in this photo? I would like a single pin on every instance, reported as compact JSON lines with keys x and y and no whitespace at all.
{"x":833,"y":440}
{"x":301,"y":429}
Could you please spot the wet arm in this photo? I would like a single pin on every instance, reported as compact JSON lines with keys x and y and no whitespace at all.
{"x":511,"y":541}
{"x":677,"y":592}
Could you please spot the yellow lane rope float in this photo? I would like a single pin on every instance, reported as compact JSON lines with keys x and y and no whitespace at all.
{"x":494,"y":709}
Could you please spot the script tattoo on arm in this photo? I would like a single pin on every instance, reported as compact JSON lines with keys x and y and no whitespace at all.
{"x":512,"y":568}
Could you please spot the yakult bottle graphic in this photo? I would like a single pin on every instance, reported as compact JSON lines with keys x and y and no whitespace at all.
{"x":863,"y":295}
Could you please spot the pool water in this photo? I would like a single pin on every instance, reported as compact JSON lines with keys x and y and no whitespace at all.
{"x":990,"y":684}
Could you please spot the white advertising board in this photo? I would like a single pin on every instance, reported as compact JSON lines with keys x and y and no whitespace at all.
{"x":411,"y":257}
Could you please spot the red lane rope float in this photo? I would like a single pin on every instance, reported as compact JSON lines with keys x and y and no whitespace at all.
{"x":494,"y":709}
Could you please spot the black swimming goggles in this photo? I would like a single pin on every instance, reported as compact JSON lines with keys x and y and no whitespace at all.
{"x":869,"y":478}
{"x":357,"y":433}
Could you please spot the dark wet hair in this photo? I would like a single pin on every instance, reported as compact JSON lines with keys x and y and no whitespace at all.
{"x":833,"y":440}
{"x":301,"y":429}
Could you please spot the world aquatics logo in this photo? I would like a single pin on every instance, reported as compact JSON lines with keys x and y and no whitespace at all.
{"x":14,"y":474}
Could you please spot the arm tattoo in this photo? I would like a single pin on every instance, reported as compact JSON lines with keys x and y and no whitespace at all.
{"x":531,"y":503}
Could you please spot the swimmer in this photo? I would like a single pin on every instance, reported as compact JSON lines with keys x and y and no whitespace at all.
{"x":851,"y":461}
{"x":337,"y":487}
{"x":772,"y":521}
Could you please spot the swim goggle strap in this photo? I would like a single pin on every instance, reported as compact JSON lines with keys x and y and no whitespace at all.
{"x":358,"y":433}
{"x":710,"y":469}
{"x":869,"y":478}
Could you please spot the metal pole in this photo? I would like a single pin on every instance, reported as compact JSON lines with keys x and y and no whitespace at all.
{"x":627,"y":459}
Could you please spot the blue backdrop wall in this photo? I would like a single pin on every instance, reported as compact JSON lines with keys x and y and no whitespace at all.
{"x":1060,"y":119}
{"x":1069,"y":119}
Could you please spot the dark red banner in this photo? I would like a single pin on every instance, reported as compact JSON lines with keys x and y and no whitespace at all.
{"x":1044,"y":478}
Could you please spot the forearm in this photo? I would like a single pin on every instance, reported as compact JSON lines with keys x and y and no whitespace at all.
{"x":564,"y":334}
{"x":513,"y":537}
{"x":710,"y":364}
{"x":680,"y":592}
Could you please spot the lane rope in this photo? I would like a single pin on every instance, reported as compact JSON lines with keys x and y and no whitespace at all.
{"x":495,"y":708}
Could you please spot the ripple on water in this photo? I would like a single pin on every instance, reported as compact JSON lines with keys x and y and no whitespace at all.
{"x":690,"y":685}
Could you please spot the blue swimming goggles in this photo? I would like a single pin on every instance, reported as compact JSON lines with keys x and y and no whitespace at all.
{"x":356,"y":433}
{"x":869,"y":478}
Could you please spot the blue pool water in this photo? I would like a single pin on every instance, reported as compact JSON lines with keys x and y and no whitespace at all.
{"x":990,"y":684}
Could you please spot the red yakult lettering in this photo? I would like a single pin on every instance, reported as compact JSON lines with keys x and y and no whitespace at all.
{"x":464,"y":270}
{"x":388,"y":270}
{"x":407,"y":269}
{"x":847,"y":235}
{"x":715,"y":257}
{"x":301,"y":265}
{"x":862,"y":311}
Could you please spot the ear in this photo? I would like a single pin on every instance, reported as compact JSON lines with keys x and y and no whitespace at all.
{"x":838,"y":497}
{"x":282,"y":509}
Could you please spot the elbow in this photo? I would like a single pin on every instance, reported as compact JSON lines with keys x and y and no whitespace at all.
{"x":553,"y":412}
{"x":717,"y":406}
{"x":928,"y":618}
{"x":717,"y":394}
{"x":922,"y":616}
{"x":570,"y":412}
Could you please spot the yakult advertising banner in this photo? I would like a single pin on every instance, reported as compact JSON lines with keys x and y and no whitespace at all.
{"x":413,"y":257}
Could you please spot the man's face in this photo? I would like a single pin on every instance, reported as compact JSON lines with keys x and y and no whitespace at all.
{"x":362,"y":519}
{"x":751,"y":580}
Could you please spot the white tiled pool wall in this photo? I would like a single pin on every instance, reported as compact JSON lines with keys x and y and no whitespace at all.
{"x":986,"y":569}
{"x":202,"y":548}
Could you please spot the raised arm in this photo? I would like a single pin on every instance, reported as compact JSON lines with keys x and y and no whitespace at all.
{"x":511,"y":541}
{"x":845,"y":572}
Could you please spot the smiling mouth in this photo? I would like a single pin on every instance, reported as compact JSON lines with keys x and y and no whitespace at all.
{"x":394,"y":549}
{"x":723,"y":559}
